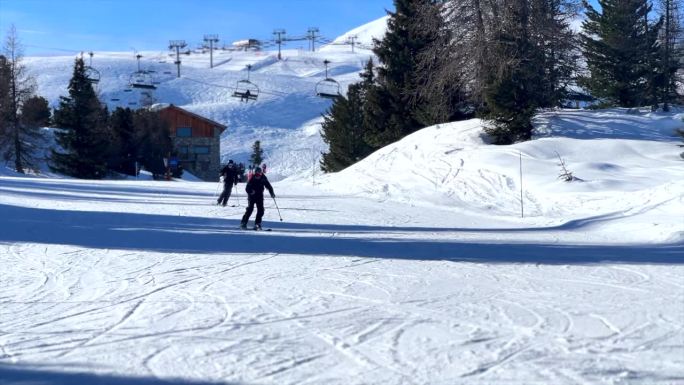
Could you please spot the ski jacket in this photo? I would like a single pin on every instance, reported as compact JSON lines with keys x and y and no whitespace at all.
{"x":229,"y":174}
{"x":255,"y":187}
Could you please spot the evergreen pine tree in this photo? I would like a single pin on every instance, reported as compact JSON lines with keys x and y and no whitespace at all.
{"x":343,"y":130}
{"x":439,"y":93}
{"x":257,"y":154}
{"x":619,"y":44}
{"x":391,"y":104}
{"x":552,"y":35}
{"x":34,"y":115}
{"x":153,"y":141}
{"x":124,"y":151}
{"x":671,"y":53}
{"x":514,"y":88}
{"x":82,"y":132}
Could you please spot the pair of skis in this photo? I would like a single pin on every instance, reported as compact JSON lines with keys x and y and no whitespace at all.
{"x":255,"y":229}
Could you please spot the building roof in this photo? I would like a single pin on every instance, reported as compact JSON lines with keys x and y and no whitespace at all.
{"x":162,"y":107}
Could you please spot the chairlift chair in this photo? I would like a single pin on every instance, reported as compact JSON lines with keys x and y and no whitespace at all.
{"x":142,"y":79}
{"x":328,"y":88}
{"x":245,"y":89}
{"x":92,"y":74}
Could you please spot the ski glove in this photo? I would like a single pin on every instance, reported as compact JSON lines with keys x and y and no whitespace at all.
{"x":272,"y":195}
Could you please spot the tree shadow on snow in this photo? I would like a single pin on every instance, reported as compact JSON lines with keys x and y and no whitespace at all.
{"x":19,"y":374}
{"x":196,"y":235}
{"x":59,"y":188}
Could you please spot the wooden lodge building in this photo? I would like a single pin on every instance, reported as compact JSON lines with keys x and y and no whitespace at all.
{"x":197,"y":141}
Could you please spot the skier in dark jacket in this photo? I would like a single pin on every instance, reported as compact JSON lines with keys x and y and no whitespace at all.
{"x":255,"y":193}
{"x":230,"y":179}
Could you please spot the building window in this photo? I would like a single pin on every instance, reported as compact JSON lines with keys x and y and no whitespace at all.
{"x":184,"y":132}
{"x":201,"y":149}
{"x":183,"y":152}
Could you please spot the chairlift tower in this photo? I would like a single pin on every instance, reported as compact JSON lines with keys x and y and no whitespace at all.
{"x":177,"y":44}
{"x":352,"y":41}
{"x":211,"y":39}
{"x":137,"y":58}
{"x":280,"y":33}
{"x":311,"y":35}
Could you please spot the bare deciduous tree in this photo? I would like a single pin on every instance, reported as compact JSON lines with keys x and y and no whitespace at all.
{"x":20,"y":87}
{"x":465,"y":58}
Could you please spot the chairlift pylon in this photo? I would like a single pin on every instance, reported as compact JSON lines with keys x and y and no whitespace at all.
{"x":245,"y":89}
{"x":328,"y":88}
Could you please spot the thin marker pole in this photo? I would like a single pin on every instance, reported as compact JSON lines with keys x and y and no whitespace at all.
{"x":522,"y":204}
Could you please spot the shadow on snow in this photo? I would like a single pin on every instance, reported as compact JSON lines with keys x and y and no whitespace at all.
{"x":52,"y":375}
{"x":175,"y":234}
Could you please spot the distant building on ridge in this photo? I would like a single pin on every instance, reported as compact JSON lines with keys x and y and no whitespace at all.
{"x":247,"y":44}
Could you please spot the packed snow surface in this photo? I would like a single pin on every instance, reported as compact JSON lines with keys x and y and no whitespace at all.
{"x":439,"y":259}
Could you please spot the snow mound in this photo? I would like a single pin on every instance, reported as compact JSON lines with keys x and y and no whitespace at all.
{"x":452,"y":166}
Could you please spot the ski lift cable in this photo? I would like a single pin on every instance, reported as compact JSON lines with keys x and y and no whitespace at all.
{"x":272,"y":92}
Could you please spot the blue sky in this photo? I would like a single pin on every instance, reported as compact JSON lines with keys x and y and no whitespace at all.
{"x":63,"y":26}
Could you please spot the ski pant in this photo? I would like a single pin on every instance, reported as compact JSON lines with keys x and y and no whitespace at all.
{"x":259,"y":202}
{"x":225,"y":195}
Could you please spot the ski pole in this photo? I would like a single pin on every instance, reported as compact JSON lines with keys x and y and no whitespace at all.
{"x":218,"y":186}
{"x":276,"y":203}
{"x":237,"y":197}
